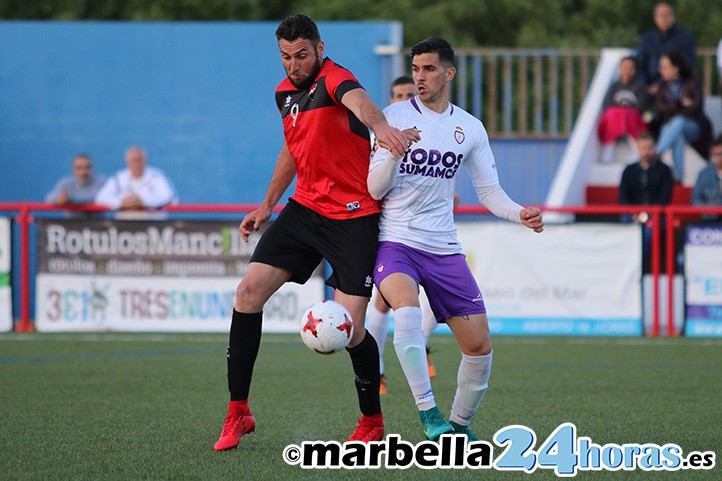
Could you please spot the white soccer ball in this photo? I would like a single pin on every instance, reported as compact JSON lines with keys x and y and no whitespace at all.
{"x":326,"y":327}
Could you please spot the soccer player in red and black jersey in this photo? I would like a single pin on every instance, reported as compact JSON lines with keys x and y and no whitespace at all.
{"x":326,"y":120}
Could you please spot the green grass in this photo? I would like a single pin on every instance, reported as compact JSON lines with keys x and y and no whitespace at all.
{"x":150,"y":406}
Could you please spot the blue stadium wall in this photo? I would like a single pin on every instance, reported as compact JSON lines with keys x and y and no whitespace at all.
{"x":198,"y":96}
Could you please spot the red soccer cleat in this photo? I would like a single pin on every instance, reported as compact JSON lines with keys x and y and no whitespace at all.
{"x":239,"y":421}
{"x":370,"y":428}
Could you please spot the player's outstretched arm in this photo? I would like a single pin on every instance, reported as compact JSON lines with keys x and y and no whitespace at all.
{"x":388,"y":137}
{"x":283,"y":174}
{"x":494,"y":198}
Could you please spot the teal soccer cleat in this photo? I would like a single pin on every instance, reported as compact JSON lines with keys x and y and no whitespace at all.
{"x":434,"y":424}
{"x":459,"y":429}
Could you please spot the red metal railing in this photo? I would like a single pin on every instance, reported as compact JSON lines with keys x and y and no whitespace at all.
{"x":24,"y":220}
{"x":673,"y":214}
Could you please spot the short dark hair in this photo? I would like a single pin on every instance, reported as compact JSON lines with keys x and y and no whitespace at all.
{"x":298,"y":26}
{"x":403,"y":80}
{"x":435,"y":45}
{"x":645,"y":136}
{"x":631,"y":58}
{"x":717,"y":141}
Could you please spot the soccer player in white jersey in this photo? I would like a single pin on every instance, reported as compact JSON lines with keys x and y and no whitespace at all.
{"x":377,"y":314}
{"x":418,"y":242}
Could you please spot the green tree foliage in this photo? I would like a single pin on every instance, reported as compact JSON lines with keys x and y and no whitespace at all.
{"x":466,"y":23}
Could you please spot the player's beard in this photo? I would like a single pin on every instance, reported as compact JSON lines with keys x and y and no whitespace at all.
{"x":308,"y":81}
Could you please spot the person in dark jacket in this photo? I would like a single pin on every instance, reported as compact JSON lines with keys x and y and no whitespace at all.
{"x":708,"y":188}
{"x":667,"y":36}
{"x":647,"y":181}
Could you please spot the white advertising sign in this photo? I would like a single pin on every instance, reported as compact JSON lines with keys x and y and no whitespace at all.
{"x":6,"y":311}
{"x":152,"y":276}
{"x":581,"y":279}
{"x":154,"y":303}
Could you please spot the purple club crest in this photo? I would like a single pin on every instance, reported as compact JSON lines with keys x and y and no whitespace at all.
{"x":459,"y":135}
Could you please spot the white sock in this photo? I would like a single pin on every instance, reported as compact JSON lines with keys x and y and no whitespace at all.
{"x":428,"y":322}
{"x":472,"y":382}
{"x":409,"y":345}
{"x":377,"y":323}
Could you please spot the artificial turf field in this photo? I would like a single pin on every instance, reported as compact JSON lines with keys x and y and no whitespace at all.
{"x":150,"y":406}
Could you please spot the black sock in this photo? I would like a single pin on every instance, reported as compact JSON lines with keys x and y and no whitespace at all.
{"x":243,"y":344}
{"x":365,"y":360}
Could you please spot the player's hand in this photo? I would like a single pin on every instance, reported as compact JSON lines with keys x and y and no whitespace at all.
{"x":532,"y":218}
{"x":412,"y":135}
{"x":396,"y":141}
{"x":253,"y":221}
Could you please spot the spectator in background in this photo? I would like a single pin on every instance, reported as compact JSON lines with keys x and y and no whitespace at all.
{"x":623,"y":105}
{"x":79,"y":188}
{"x":138,"y":187}
{"x":678,"y":106}
{"x":666,"y":37}
{"x":708,"y":188}
{"x":402,"y":88}
{"x":645,"y":182}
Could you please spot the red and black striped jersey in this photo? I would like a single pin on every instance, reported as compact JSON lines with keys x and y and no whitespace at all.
{"x":329,"y":145}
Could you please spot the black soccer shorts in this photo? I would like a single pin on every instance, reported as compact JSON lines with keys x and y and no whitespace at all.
{"x":300,"y":238}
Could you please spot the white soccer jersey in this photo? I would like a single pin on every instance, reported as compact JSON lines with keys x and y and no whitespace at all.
{"x":418,"y":205}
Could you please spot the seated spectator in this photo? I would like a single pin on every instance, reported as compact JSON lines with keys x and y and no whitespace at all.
{"x":678,"y":106}
{"x":79,"y":188}
{"x":708,"y":188}
{"x":138,"y":187}
{"x":647,"y":181}
{"x":623,"y":105}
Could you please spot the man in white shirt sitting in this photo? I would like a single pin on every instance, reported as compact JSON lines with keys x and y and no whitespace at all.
{"x":138,"y":188}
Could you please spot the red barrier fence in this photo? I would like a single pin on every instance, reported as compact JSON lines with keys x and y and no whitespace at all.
{"x":674,"y":215}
